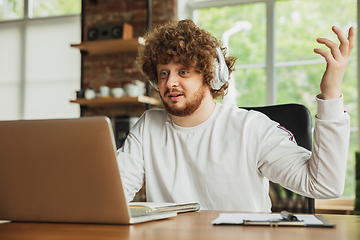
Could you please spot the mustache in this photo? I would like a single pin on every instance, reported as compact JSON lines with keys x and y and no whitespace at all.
{"x":173,"y":90}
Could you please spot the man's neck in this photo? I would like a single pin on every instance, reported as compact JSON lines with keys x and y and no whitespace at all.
{"x":204,"y":111}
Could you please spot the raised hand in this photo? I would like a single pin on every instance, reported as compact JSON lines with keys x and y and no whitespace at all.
{"x":337,"y":60}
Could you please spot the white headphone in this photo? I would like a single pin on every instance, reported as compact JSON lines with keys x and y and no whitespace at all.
{"x":154,"y":85}
{"x":221,"y":75}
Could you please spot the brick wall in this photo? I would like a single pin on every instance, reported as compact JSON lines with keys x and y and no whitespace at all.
{"x":115,"y":70}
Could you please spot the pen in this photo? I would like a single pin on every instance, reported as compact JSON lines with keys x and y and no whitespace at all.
{"x":288,"y":216}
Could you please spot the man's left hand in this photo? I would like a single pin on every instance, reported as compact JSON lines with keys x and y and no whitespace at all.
{"x":337,"y":60}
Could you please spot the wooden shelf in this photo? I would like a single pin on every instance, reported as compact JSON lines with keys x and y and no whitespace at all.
{"x":109,"y":46}
{"x":116,"y":101}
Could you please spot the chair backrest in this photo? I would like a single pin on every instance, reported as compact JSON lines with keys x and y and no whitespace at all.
{"x":297,"y":119}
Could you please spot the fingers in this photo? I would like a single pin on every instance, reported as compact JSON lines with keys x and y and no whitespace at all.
{"x":351,"y":38}
{"x":337,"y":59}
{"x":346,"y":44}
{"x":333,"y":47}
{"x":326,"y":54}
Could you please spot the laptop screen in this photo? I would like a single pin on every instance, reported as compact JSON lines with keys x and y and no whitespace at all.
{"x":61,"y":170}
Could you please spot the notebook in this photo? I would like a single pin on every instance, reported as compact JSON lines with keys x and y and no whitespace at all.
{"x":63,"y":170}
{"x":163,"y":207}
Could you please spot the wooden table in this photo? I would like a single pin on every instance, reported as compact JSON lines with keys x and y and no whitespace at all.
{"x":195,"y":225}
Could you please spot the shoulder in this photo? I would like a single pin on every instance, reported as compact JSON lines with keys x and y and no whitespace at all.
{"x":234,"y":113}
{"x":154,"y":114}
{"x":152,"y":117}
{"x":242,"y":120}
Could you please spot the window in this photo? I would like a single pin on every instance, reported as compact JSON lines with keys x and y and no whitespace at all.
{"x":248,"y":23}
{"x":15,"y":9}
{"x":11,"y":9}
{"x":39,"y":72}
{"x":275,"y":59}
{"x":46,"y":8}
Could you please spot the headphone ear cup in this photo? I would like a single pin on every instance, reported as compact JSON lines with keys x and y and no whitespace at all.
{"x":215,"y":82}
{"x":221,"y":71}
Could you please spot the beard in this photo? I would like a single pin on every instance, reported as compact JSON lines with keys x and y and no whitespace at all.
{"x":190,"y":106}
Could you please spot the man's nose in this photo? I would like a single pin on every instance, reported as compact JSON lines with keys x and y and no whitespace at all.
{"x":173,"y":80}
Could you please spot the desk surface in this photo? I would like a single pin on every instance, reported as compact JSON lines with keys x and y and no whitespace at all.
{"x":195,"y":225}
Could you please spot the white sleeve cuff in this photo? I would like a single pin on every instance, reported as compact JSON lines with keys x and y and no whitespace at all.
{"x":329,"y":109}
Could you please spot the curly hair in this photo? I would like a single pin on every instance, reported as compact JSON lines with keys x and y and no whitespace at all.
{"x":190,"y":45}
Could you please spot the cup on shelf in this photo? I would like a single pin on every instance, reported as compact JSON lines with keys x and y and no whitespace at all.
{"x":141,"y":86}
{"x":90,"y":93}
{"x":104,"y":91}
{"x":131,"y":90}
{"x":135,"y":88}
{"x":117,"y":92}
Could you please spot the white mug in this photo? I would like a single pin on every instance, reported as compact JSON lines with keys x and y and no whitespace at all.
{"x":104,"y":91}
{"x":131,"y":90}
{"x":90,"y":93}
{"x":141,"y":86}
{"x":117,"y":92}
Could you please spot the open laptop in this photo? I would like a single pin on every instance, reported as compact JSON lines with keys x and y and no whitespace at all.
{"x":63,"y":170}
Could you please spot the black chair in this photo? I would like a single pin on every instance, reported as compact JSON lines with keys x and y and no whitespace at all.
{"x":297,"y":119}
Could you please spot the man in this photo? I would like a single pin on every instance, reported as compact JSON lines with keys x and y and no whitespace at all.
{"x":197,"y":150}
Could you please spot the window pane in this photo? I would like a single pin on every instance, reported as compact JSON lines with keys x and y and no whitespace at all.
{"x":299,"y":84}
{"x":10,"y":49}
{"x":251,"y":87}
{"x":11,"y":9}
{"x":51,"y":100}
{"x":349,"y":89}
{"x":242,"y":29}
{"x":10,"y":63}
{"x":52,"y":68}
{"x":49,"y":55}
{"x":46,"y":8}
{"x":299,"y":23}
{"x":9,"y":101}
{"x":249,"y":46}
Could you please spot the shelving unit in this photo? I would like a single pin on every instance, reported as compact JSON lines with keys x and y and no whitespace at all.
{"x":96,"y":102}
{"x":109,"y":46}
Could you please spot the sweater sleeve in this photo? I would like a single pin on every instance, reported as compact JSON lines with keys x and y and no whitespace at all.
{"x":316,"y":174}
{"x":130,"y":161}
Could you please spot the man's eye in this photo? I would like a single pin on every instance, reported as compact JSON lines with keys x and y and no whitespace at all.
{"x":183,"y":72}
{"x":163,"y":74}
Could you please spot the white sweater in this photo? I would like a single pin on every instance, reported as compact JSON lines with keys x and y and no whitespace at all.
{"x":225,"y":162}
